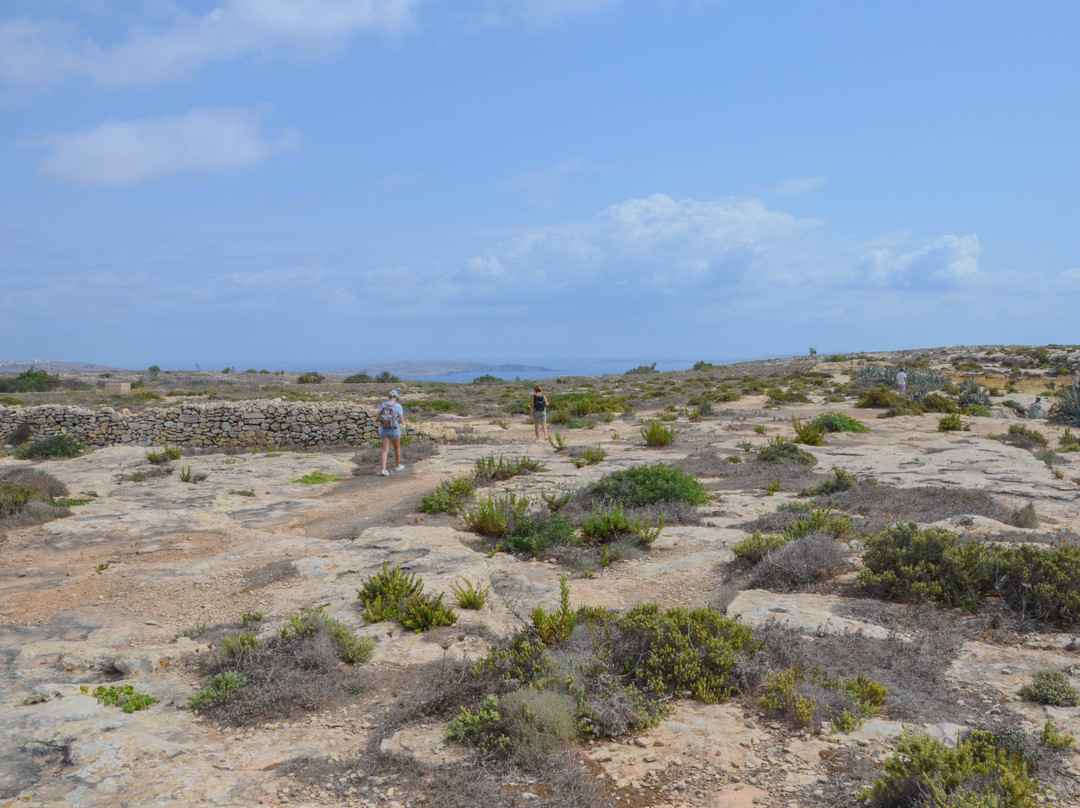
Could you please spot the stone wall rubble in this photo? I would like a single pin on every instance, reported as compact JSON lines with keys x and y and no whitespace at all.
{"x":213,"y":424}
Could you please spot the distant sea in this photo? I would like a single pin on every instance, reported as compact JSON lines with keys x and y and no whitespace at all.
{"x":560,"y":368}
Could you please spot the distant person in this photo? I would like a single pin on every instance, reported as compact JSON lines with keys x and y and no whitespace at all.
{"x":1036,"y":409}
{"x":901,"y":382}
{"x":390,"y":415}
{"x":538,"y":405}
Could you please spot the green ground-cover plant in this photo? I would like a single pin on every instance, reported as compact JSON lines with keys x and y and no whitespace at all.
{"x":496,"y":517}
{"x":778,"y":450}
{"x":126,"y":697}
{"x":555,"y":502}
{"x":449,"y":497}
{"x":317,"y":478}
{"x":935,"y":402}
{"x":313,"y":620}
{"x":905,"y":562}
{"x":903,"y":407}
{"x":189,"y":476}
{"x":758,"y":545}
{"x":977,"y":773}
{"x":11,"y":401}
{"x":656,"y":434}
{"x":557,"y":441}
{"x":645,"y":485}
{"x":838,"y":422}
{"x":536,"y":532}
{"x":62,"y":444}
{"x":1050,"y":687}
{"x":841,"y":480}
{"x":219,"y":688}
{"x":1068,"y":442}
{"x":192,"y":631}
{"x":425,"y":612}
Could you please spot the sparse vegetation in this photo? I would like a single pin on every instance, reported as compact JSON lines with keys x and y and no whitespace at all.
{"x":657,"y":435}
{"x":62,"y":444}
{"x":126,"y":697}
{"x":449,"y":497}
{"x":317,"y":478}
{"x":1050,"y":687}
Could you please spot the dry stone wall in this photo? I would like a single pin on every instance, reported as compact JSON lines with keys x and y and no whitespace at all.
{"x":224,"y":423}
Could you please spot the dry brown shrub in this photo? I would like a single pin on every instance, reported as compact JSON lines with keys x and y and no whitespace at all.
{"x":916,"y":504}
{"x":814,"y":557}
{"x":35,"y":478}
{"x":749,"y":474}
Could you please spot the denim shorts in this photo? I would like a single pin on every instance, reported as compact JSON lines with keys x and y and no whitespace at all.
{"x":388,"y":432}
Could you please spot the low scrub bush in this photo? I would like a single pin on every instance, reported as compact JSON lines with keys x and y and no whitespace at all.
{"x":1019,"y":435}
{"x":780,"y":451}
{"x":952,"y":423}
{"x":449,"y":497}
{"x":904,"y":562}
{"x":62,"y":444}
{"x":645,"y":485}
{"x":590,"y":455}
{"x":314,"y":377}
{"x":1050,"y":687}
{"x":497,"y":469}
{"x":799,"y":563}
{"x":35,"y":479}
{"x":809,"y":698}
{"x":758,"y":545}
{"x":425,"y":612}
{"x":314,"y":621}
{"x":30,"y":381}
{"x":382,"y":593}
{"x":879,"y":398}
{"x":807,"y":432}
{"x":838,"y":422}
{"x":166,"y":454}
{"x":903,"y":407}
{"x":469,"y":596}
{"x":498,"y":516}
{"x":977,"y":773}
{"x":1052,"y":739}
{"x":841,"y":480}
{"x":656,"y":434}
{"x":935,"y":402}
{"x":220,"y":687}
{"x":535,"y":533}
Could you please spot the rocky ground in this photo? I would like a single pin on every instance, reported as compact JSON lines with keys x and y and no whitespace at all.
{"x":98,"y":598}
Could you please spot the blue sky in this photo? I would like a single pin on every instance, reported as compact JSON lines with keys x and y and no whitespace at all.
{"x":319,"y":183}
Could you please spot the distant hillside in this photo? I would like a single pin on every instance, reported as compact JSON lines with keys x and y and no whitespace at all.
{"x":48,"y":365}
{"x":435,"y":368}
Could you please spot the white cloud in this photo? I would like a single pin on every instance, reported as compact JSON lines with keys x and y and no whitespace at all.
{"x":36,"y":52}
{"x":946,"y":262}
{"x":120,"y":153}
{"x":799,"y":185}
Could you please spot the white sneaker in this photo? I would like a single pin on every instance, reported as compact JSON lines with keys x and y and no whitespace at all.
{"x":400,"y":468}
{"x":384,"y":473}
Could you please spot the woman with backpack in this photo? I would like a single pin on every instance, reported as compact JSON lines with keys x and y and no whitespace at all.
{"x":390,"y":415}
{"x":538,"y":410}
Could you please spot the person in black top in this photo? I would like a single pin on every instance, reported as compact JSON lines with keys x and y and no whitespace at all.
{"x":538,"y":410}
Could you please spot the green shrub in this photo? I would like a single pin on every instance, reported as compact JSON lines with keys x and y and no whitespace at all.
{"x":535,"y":533}
{"x":11,"y":401}
{"x":14,"y":497}
{"x":589,"y":456}
{"x":903,"y":407}
{"x":449,"y":497}
{"x":976,"y":774}
{"x":794,"y":695}
{"x":468,"y":596}
{"x":758,"y":545}
{"x":491,"y":469}
{"x":221,"y":687}
{"x":951,"y":423}
{"x":781,"y":451}
{"x":1050,"y":687}
{"x":841,"y":480}
{"x":30,"y":381}
{"x":555,"y":502}
{"x":164,"y":456}
{"x":383,"y":592}
{"x":656,"y":434}
{"x":644,"y":485}
{"x":62,"y":444}
{"x":239,"y":644}
{"x":935,"y":402}
{"x":123,"y":696}
{"x":1019,"y":435}
{"x":878,"y":398}
{"x":424,"y":612}
{"x":1052,"y":739}
{"x":314,"y":377}
{"x":1067,"y":442}
{"x":838,"y":422}
{"x":359,"y":378}
{"x":604,"y":525}
{"x":807,"y":433}
{"x":498,"y":516}
{"x":559,"y":625}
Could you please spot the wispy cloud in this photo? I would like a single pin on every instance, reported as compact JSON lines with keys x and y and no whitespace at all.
{"x":121,"y":153}
{"x":799,"y":185}
{"x":539,"y":188}
{"x":36,"y":52}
